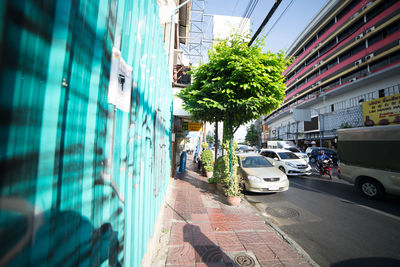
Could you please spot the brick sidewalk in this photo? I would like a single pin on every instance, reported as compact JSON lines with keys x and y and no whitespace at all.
{"x":202,"y":230}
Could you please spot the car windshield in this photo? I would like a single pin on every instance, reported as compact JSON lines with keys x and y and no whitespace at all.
{"x":293,"y":149}
{"x":255,"y":162}
{"x":287,"y":155}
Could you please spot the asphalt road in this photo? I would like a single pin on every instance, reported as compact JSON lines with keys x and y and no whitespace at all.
{"x":334,"y":224}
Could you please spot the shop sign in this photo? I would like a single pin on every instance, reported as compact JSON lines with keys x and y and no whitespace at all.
{"x":195,"y":126}
{"x":382,"y":111}
{"x":185,"y":126}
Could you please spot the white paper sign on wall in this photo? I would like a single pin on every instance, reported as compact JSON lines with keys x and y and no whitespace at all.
{"x":119,"y":89}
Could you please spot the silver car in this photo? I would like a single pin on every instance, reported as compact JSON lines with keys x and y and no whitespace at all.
{"x":259,"y":175}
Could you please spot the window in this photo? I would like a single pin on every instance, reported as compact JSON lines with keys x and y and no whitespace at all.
{"x":332,"y":107}
{"x":332,"y":63}
{"x":344,"y":56}
{"x":379,"y":8}
{"x":352,"y":28}
{"x":288,"y":155}
{"x":381,"y":93}
{"x":326,"y":27}
{"x":312,"y":40}
{"x":347,"y":9}
{"x":327,"y":46}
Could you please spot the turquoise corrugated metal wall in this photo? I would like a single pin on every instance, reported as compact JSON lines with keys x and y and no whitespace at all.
{"x":81,"y":181}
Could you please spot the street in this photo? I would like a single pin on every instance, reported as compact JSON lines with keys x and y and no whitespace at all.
{"x":334,"y":224}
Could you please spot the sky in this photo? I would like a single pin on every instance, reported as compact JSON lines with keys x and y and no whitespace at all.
{"x":283,"y":28}
{"x":296,"y":17}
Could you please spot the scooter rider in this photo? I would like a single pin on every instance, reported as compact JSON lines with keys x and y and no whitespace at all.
{"x":321,"y":157}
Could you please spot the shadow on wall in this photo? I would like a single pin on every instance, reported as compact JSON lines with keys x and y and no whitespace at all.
{"x":63,"y":238}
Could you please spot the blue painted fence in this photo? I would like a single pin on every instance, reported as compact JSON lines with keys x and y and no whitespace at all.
{"x":81,"y":181}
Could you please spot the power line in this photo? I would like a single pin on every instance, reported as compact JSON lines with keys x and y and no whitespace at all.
{"x":270,"y":13}
{"x":279,"y":17}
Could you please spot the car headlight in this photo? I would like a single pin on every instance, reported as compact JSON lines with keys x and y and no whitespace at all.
{"x":254,"y":179}
{"x":291,"y":165}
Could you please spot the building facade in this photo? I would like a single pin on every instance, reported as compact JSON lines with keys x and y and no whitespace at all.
{"x":348,"y":54}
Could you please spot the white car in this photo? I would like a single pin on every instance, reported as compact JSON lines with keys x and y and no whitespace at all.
{"x":259,"y":175}
{"x":298,"y":153}
{"x":287,"y":161}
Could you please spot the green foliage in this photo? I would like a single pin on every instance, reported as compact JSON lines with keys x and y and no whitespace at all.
{"x":252,"y":136}
{"x":212,"y":180}
{"x":210,"y":139}
{"x":234,"y":188}
{"x":204,"y":145}
{"x":345,"y":125}
{"x":238,"y":80}
{"x":207,"y":158}
{"x":209,"y":168}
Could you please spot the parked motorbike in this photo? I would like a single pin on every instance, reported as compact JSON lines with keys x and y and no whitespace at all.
{"x":325,"y":167}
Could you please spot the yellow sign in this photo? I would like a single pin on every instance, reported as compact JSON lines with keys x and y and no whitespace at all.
{"x":382,"y":111}
{"x":195,"y":126}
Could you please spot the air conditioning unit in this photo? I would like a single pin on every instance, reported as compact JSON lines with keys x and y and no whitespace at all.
{"x":355,"y":15}
{"x":312,"y":86}
{"x":178,"y":57}
{"x":370,"y":29}
{"x":353,"y":79}
{"x":368,"y":57}
{"x":318,"y":83}
{"x":359,"y":36}
{"x":358,"y":62}
{"x":366,"y":5}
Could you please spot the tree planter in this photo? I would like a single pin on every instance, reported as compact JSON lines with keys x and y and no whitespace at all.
{"x":209,"y":174}
{"x":212,"y":187}
{"x":233,"y":200}
{"x":221,"y":188}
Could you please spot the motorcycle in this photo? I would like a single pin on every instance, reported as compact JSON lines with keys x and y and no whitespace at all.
{"x":325,"y":167}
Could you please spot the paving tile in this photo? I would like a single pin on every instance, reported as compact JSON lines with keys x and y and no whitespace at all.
{"x":181,"y":255}
{"x":261,"y":251}
{"x":237,"y":226}
{"x":225,"y":239}
{"x":203,"y":227}
{"x":214,"y":211}
{"x":200,"y":264}
{"x":200,"y":217}
{"x":284,"y":252}
{"x":249,"y":238}
{"x":221,"y":227}
{"x":270,"y":237}
{"x":211,"y":254}
{"x":231,"y":248}
{"x":217,"y":217}
{"x":271,"y":263}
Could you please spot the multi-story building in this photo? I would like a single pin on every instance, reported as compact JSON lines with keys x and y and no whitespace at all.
{"x":348,"y":54}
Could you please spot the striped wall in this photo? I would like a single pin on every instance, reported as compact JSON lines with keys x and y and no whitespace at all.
{"x":81,"y":182}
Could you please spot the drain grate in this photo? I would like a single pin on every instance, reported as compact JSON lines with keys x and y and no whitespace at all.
{"x":243,"y":260}
{"x":282,"y":212}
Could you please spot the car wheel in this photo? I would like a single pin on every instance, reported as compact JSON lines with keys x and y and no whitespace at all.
{"x":312,"y":160}
{"x":371,"y":188}
{"x":282,"y":169}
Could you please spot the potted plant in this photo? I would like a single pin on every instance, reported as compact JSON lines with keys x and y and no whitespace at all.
{"x":209,"y":171}
{"x":212,"y":183}
{"x":234,"y":192}
{"x":207,"y":162}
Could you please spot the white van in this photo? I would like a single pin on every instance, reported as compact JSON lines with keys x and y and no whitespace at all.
{"x":288,"y":145}
{"x":369,"y":159}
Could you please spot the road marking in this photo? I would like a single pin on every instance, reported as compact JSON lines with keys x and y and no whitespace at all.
{"x":342,"y":199}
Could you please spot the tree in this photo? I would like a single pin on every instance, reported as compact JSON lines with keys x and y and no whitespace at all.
{"x":210,"y":139}
{"x":237,"y":85}
{"x":252,"y":135}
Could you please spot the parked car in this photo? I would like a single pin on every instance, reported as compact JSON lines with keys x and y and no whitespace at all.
{"x":369,"y":159}
{"x":329,"y":152}
{"x":287,"y":161}
{"x":309,"y":149}
{"x":244,"y":149}
{"x":259,"y":175}
{"x":298,"y":153}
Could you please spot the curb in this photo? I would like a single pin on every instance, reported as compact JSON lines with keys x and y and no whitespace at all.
{"x":285,"y":237}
